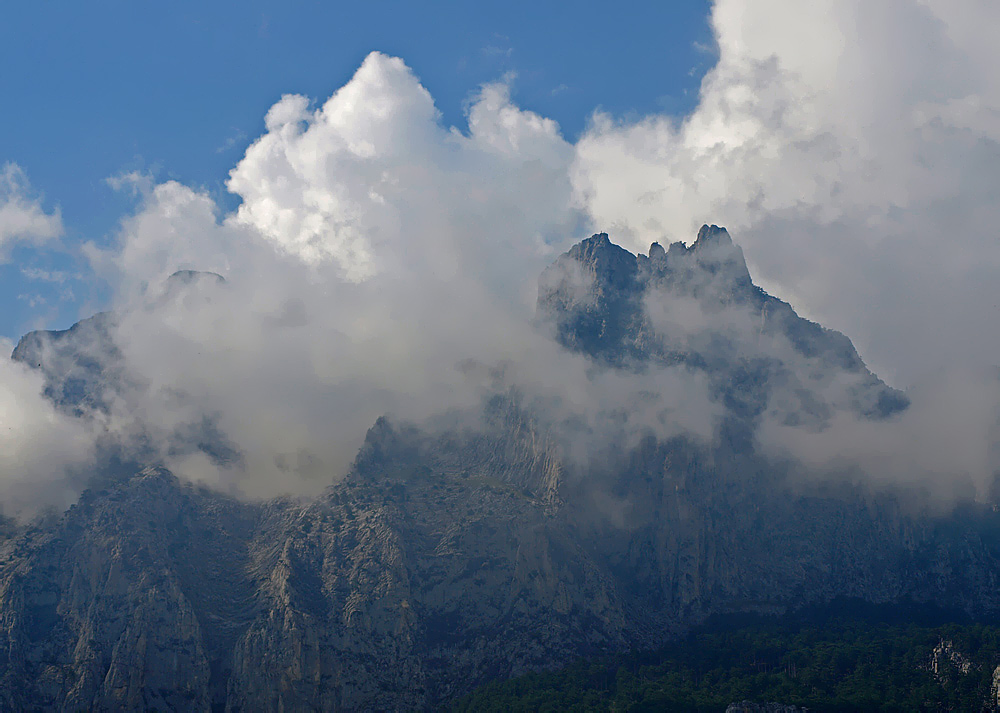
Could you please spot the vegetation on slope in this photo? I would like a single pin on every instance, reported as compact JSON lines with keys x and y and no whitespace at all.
{"x":848,"y":657}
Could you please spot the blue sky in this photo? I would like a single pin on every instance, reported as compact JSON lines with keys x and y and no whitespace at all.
{"x":179,"y":90}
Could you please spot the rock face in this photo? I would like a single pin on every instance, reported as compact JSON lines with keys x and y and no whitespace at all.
{"x":78,"y":363}
{"x":406,"y":584}
{"x":944,"y":656}
{"x":446,"y":559}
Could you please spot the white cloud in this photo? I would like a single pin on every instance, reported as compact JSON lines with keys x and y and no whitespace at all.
{"x":852,"y":149}
{"x":947,"y":443}
{"x":343,"y":183}
{"x":40,"y":448}
{"x":134,"y":182}
{"x":22,"y":218}
{"x":35,"y":273}
{"x":376,"y":255}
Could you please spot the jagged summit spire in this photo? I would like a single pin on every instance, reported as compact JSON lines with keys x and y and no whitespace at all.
{"x":715,"y":253}
{"x":713,"y":233}
{"x":189,"y":276}
{"x":609,"y":264}
{"x":595,"y":244}
{"x":183,"y":282}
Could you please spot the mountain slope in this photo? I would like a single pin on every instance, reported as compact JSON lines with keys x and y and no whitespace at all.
{"x":451,"y":556}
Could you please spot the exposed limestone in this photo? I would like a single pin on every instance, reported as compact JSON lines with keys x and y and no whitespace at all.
{"x":943,"y":652}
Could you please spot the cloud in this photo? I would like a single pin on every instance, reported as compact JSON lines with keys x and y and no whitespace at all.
{"x":35,"y":273}
{"x":851,"y":148}
{"x":133,"y":182}
{"x":237,"y":138}
{"x":334,"y":184}
{"x":22,"y":218}
{"x":500,"y":47}
{"x":946,"y":444}
{"x":43,"y":453}
{"x":376,"y":258}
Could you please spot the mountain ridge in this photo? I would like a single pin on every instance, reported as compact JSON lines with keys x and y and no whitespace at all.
{"x":450,"y":556}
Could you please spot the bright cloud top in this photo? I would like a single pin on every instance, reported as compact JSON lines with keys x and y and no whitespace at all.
{"x":345,"y":182}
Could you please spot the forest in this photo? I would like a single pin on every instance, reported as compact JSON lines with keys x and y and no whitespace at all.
{"x":844,"y":657}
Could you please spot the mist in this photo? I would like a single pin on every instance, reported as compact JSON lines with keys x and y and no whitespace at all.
{"x":44,"y":454}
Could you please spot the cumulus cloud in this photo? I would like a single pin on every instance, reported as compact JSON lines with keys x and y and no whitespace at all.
{"x":344,"y":183}
{"x":852,"y":149}
{"x":376,"y":259}
{"x":22,"y":218}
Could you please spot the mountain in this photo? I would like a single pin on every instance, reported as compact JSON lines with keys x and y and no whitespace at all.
{"x":604,"y":301}
{"x":451,"y":556}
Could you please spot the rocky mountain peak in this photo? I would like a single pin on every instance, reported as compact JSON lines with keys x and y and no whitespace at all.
{"x":612,"y":266}
{"x":594,"y":292}
{"x":712,"y":263}
{"x":590,"y":294}
{"x":619,"y":309}
{"x":189,"y":276}
{"x":197,"y":284}
{"x":715,"y":248}
{"x":713,"y":234}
